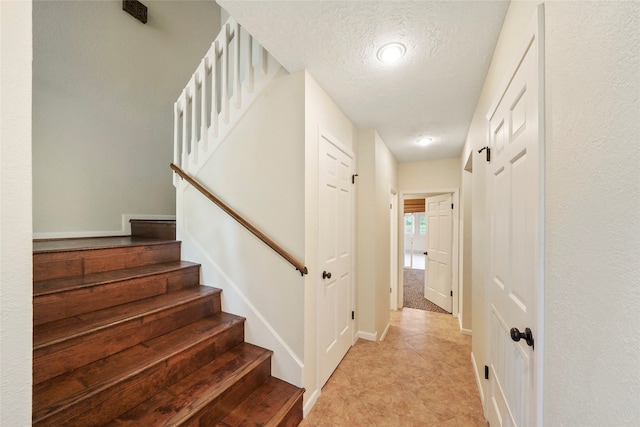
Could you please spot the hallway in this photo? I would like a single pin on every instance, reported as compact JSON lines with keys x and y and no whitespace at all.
{"x":420,"y":375}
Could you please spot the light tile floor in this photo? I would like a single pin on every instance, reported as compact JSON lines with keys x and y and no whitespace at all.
{"x":420,"y":375}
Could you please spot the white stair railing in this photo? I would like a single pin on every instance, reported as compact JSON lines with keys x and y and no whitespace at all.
{"x":229,"y":78}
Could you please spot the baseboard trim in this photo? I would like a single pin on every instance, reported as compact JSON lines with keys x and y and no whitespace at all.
{"x":310,"y":402}
{"x":368,"y":335}
{"x":476,"y":373}
{"x":76,"y":234}
{"x":463,"y":331}
{"x":384,"y":333}
{"x":124,"y":231}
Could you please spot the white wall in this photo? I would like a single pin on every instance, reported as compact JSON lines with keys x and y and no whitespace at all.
{"x":319,"y":111}
{"x":466,"y":230}
{"x":516,"y":21}
{"x":367,"y":236}
{"x":15,"y":213}
{"x":435,"y":174}
{"x":258,"y":171}
{"x":377,"y":170}
{"x":592,"y":194}
{"x":103,"y":91}
{"x":386,"y":181}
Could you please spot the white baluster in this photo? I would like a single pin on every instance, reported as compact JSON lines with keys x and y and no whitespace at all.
{"x":213,"y":60}
{"x":249,"y":63}
{"x":176,"y":138}
{"x":204,"y":133}
{"x":194,"y":118}
{"x":262,"y":53}
{"x":185,"y":130}
{"x":236,"y":68}
{"x":225,"y":75}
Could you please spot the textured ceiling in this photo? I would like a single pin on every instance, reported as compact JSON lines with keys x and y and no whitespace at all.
{"x":432,"y":90}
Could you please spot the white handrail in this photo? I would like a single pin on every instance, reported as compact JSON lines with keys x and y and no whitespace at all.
{"x":202,"y":113}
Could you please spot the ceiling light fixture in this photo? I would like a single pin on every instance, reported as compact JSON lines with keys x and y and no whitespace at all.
{"x":424,"y":141}
{"x":391,"y":52}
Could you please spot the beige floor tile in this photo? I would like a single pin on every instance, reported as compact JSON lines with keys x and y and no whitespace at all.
{"x":339,"y":411}
{"x":421,"y":375}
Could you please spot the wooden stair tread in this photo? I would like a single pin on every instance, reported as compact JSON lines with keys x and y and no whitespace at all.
{"x":46,"y":287}
{"x":58,"y":393}
{"x":72,"y":327}
{"x":77,"y":257}
{"x":92,"y":243}
{"x":266,"y":406}
{"x":155,"y":221}
{"x":190,"y":396}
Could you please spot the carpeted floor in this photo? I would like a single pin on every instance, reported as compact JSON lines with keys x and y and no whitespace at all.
{"x":414,"y":292}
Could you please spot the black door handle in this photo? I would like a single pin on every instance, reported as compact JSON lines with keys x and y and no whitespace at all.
{"x":326,"y":275}
{"x":527,"y":335}
{"x":425,"y":253}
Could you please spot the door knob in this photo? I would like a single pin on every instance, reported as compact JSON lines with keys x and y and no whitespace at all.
{"x":527,"y":335}
{"x":326,"y":275}
{"x":425,"y":253}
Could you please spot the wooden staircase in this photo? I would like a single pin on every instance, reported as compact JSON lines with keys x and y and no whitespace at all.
{"x":124,"y":334}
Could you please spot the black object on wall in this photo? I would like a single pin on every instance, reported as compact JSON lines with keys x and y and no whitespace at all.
{"x":135,"y":9}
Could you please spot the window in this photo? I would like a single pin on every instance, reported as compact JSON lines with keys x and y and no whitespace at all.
{"x":423,"y":224}
{"x":408,"y":223}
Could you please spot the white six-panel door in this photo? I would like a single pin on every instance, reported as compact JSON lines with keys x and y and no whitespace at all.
{"x":514,"y":202}
{"x":335,"y":236}
{"x":437,"y":277}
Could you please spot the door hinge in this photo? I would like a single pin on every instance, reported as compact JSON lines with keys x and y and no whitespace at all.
{"x":390,"y":290}
{"x":486,"y":372}
{"x":353,"y":178}
{"x":451,"y":293}
{"x":451,"y":205}
{"x":488,"y":152}
{"x":353,"y":315}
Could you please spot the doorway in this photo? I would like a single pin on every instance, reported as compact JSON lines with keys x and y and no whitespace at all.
{"x":414,"y":235}
{"x":415,"y":229}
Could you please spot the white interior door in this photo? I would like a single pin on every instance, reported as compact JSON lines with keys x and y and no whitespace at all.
{"x":437,"y":277}
{"x":335,"y":281}
{"x":513,"y":191}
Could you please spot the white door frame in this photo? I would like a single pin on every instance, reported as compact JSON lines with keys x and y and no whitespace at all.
{"x":455,"y":266}
{"x":393,"y":224}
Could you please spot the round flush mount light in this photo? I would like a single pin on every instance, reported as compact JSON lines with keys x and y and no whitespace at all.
{"x":391,"y":52}
{"x":424,"y":141}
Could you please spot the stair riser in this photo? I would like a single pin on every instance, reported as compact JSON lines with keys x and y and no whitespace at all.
{"x":274,"y":403}
{"x":153,"y":229}
{"x":103,"y":406}
{"x":54,"y":265}
{"x":48,"y":308}
{"x":65,"y":356}
{"x":294,"y":416}
{"x":217,"y":409}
